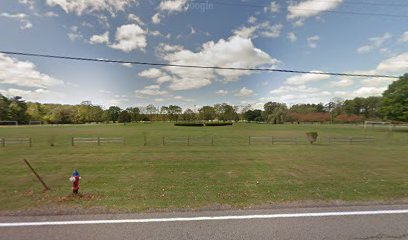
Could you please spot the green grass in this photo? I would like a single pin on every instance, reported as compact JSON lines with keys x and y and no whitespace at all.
{"x":231,"y":173}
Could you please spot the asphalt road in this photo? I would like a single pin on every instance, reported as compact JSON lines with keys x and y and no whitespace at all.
{"x":295,"y":223}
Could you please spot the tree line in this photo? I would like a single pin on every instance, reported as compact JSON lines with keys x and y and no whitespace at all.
{"x":393,"y":105}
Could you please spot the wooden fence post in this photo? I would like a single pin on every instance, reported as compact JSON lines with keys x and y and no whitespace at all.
{"x":188,"y":141}
{"x":249,"y":140}
{"x":99,"y":141}
{"x":163,"y":141}
{"x":72,"y":141}
{"x":272,"y":140}
{"x":30,"y":142}
{"x":351,"y":140}
{"x":212,"y":140}
{"x":3,"y":142}
{"x":38,"y":176}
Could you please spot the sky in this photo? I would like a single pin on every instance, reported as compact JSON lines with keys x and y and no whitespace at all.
{"x":348,"y":36}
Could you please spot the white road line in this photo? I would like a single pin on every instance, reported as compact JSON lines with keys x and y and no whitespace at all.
{"x":187,"y":219}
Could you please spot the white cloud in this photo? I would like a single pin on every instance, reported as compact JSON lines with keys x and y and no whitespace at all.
{"x":306,"y":78}
{"x":292,"y":37}
{"x":129,"y":65}
{"x":252,"y":20}
{"x":397,"y":64}
{"x":100,"y":39}
{"x":151,"y":90}
{"x":29,"y":3}
{"x":151,"y":73}
{"x":28,"y":95}
{"x":156,"y":18}
{"x":244,"y":92}
{"x":311,"y":8}
{"x":297,"y":94}
{"x":89,"y":6}
{"x":23,"y":73}
{"x":223,"y":53}
{"x":173,"y":5}
{"x":74,"y":34}
{"x":132,"y":17}
{"x":375,"y":43}
{"x":130,"y":37}
{"x":361,"y":92}
{"x":264,"y":29}
{"x":21,"y":17}
{"x":273,"y":7}
{"x":312,"y":41}
{"x":222,"y":92}
{"x":404,"y":37}
{"x":343,"y":83}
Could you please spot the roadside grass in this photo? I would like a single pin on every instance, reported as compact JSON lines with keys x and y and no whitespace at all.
{"x":134,"y":177}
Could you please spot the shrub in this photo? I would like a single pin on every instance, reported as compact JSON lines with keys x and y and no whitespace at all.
{"x":312,"y":137}
{"x":189,"y":124}
{"x":217,"y":124}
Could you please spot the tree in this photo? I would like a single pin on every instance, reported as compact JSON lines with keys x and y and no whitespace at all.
{"x":18,"y":110}
{"x":225,"y":112}
{"x":253,"y":115}
{"x":395,"y":100}
{"x":4,"y":108}
{"x":124,"y":117}
{"x":134,"y":113}
{"x":206,"y":113}
{"x":189,"y":115}
{"x":275,"y":112}
{"x":112,"y":113}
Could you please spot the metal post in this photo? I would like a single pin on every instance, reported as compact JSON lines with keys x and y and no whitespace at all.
{"x":38,"y":176}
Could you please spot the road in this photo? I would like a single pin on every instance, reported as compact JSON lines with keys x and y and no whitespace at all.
{"x":357,"y":222}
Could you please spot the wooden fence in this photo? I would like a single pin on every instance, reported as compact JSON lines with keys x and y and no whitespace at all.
{"x":16,"y":141}
{"x":271,"y":140}
{"x":351,"y":140}
{"x":97,"y":140}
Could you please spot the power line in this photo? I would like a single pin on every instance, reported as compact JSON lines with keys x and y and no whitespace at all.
{"x":195,"y":66}
{"x":309,"y":9}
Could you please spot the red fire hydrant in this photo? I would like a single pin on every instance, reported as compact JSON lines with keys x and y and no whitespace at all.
{"x":75,"y":181}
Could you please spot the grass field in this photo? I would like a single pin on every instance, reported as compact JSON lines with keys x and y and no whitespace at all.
{"x":134,"y":177}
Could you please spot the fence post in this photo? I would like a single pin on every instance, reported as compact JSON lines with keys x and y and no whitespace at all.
{"x":124,"y":141}
{"x":30,"y":142}
{"x":145,"y":140}
{"x":99,"y":141}
{"x":163,"y":141}
{"x":249,"y":140}
{"x":272,"y":140}
{"x":351,"y":140}
{"x":3,"y":142}
{"x":72,"y":141}
{"x":212,"y":140}
{"x":188,"y":141}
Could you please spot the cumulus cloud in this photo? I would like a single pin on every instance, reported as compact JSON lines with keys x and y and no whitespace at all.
{"x":151,"y":90}
{"x":265,"y":29}
{"x":28,"y":95}
{"x":292,"y":37}
{"x":404,"y":37}
{"x":151,"y":73}
{"x":21,"y":17}
{"x":223,"y":53}
{"x":130,"y":37}
{"x":132,"y":17}
{"x":81,"y":7}
{"x":310,"y":8}
{"x":23,"y":73}
{"x":375,"y":43}
{"x":396,"y":64}
{"x":222,"y":92}
{"x":296,"y":94}
{"x":272,"y":7}
{"x":156,"y":18}
{"x":173,"y":5}
{"x":343,"y":83}
{"x":244,"y":92}
{"x":74,"y":34}
{"x":306,"y":78}
{"x":312,"y":41}
{"x":100,"y":39}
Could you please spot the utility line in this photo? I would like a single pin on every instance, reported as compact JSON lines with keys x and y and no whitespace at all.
{"x":309,"y":9}
{"x":195,"y":66}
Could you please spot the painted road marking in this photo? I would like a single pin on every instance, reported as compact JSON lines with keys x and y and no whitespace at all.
{"x":188,"y":219}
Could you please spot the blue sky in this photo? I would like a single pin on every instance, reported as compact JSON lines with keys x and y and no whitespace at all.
{"x":310,"y":35}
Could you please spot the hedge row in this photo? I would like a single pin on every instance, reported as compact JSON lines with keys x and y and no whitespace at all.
{"x":210,"y":124}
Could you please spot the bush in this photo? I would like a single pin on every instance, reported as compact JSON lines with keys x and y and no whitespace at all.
{"x":216,"y":124}
{"x":189,"y":124}
{"x":312,"y":137}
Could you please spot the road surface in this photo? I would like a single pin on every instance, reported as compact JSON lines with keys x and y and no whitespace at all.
{"x":358,"y":222}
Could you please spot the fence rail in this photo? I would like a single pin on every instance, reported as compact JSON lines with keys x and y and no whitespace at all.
{"x":351,"y":140}
{"x":14,"y":141}
{"x":97,"y":140}
{"x":271,"y":140}
{"x":188,"y":140}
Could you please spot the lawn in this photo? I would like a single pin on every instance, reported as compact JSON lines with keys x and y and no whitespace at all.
{"x":231,"y":173}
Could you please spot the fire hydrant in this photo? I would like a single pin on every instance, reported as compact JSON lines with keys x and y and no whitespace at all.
{"x":75,"y":181}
